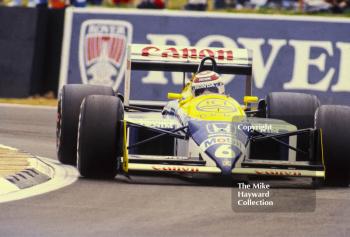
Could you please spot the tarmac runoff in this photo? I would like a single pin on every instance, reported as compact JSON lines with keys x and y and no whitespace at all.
{"x":23,"y":175}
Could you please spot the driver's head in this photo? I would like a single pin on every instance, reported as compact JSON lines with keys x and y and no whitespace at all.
{"x":207,"y":82}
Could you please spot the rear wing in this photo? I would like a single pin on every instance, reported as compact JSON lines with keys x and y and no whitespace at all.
{"x":186,"y":59}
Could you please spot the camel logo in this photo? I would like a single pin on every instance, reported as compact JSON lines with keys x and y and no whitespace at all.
{"x":102,"y":51}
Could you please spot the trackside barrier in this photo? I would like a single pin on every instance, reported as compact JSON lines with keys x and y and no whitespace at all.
{"x":30,"y":50}
{"x":22,"y":45}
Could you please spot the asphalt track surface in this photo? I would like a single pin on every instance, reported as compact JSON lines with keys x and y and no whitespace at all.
{"x":146,"y":206}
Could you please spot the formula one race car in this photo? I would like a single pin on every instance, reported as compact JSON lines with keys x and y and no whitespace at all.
{"x":202,"y":129}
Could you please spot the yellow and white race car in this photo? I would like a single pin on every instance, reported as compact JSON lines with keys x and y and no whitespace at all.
{"x":201,"y":129}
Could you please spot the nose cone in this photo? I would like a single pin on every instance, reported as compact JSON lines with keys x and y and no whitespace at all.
{"x":218,"y":140}
{"x":225,"y":155}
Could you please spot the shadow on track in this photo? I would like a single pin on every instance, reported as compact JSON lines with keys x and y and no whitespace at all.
{"x":208,"y":181}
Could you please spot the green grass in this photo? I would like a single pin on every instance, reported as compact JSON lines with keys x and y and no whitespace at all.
{"x":176,"y":4}
{"x":29,"y":101}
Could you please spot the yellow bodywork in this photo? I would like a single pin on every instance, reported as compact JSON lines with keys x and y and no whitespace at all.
{"x":125,"y":150}
{"x":213,"y":107}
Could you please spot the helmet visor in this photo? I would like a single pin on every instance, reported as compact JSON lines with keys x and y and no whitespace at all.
{"x":210,"y":90}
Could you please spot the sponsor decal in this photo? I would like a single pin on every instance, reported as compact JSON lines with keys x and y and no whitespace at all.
{"x":216,"y":105}
{"x":188,"y":53}
{"x":215,"y":140}
{"x":157,"y":123}
{"x":206,"y":76}
{"x":176,"y":169}
{"x":220,"y":140}
{"x":176,"y":158}
{"x":219,"y":128}
{"x":206,"y":85}
{"x":102,"y":51}
{"x":278,"y":172}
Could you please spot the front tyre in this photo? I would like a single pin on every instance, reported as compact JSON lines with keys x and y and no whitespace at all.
{"x":100,"y":136}
{"x":68,"y":110}
{"x":334,"y":122}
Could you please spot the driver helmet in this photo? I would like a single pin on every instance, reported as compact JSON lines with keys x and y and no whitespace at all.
{"x":207,"y":82}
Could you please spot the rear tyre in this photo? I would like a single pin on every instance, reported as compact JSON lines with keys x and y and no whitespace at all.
{"x":68,"y":110}
{"x":334,"y":122}
{"x":100,"y":136}
{"x":295,"y":108}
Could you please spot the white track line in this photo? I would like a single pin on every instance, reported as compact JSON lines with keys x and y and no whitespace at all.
{"x":8,"y":147}
{"x":7,"y":187}
{"x":63,"y":176}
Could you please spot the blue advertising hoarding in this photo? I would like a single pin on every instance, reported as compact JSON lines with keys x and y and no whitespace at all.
{"x":297,"y":54}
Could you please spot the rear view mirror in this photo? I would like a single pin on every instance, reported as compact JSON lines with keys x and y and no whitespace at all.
{"x":250,"y":99}
{"x":174,"y":96}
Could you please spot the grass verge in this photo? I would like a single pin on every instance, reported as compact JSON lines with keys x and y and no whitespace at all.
{"x":30,"y":101}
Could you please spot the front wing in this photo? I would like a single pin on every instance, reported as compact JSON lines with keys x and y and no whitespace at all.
{"x":185,"y":165}
{"x":178,"y":164}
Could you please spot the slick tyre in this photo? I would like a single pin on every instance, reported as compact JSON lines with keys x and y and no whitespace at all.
{"x":100,"y":136}
{"x":295,"y":108}
{"x":334,"y":122}
{"x":68,"y":110}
